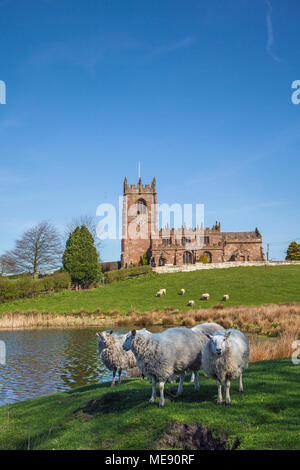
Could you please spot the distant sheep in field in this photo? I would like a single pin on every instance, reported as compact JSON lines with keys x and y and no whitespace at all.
{"x":225,"y":297}
{"x":159,"y":293}
{"x":191,"y":303}
{"x":182,"y":292}
{"x":113,"y":355}
{"x":225,"y":357}
{"x":160,"y":356}
{"x":205,"y":296}
{"x":164,"y":291}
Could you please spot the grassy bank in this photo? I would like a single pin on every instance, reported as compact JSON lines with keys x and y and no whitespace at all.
{"x":245,"y":286}
{"x":265,"y":416}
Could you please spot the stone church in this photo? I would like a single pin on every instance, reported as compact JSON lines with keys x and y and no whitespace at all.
{"x":177,"y":246}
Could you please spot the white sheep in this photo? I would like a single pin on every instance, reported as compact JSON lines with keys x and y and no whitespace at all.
{"x":113,"y":355}
{"x":164,"y":291}
{"x":205,"y":296}
{"x":182,"y":292}
{"x":206,"y":329}
{"x":159,"y":293}
{"x":160,"y":356}
{"x":225,"y":357}
{"x":225,"y":297}
{"x":191,"y":303}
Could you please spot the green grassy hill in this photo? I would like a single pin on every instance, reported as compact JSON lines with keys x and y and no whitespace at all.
{"x":245,"y":285}
{"x":265,"y":416}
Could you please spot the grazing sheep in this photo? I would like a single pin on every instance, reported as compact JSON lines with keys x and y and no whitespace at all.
{"x":205,"y":296}
{"x":191,"y":303}
{"x":182,"y":292}
{"x":206,"y":329}
{"x":164,"y":291}
{"x":112,"y":354}
{"x":159,"y":293}
{"x":225,"y":297}
{"x":225,"y":357}
{"x":163,"y":355}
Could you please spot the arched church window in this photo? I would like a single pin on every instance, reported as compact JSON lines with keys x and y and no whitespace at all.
{"x":141,"y":206}
{"x":209,"y":257}
{"x":187,"y":258}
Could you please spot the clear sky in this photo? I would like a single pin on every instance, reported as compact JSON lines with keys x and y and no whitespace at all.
{"x":199,"y":91}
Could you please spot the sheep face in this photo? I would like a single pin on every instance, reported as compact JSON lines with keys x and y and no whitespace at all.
{"x":104,"y":338}
{"x":128,"y":341}
{"x":218,"y":343}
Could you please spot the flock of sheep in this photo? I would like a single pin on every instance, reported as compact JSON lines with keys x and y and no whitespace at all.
{"x":223,"y":354}
{"x":191,"y":303}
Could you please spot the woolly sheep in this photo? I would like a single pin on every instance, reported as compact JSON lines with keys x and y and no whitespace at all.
{"x":182,"y":291}
{"x":163,"y":355}
{"x":112,"y":354}
{"x":191,"y":303}
{"x":205,"y":296}
{"x":225,"y":357}
{"x":225,"y":297}
{"x":206,"y":329}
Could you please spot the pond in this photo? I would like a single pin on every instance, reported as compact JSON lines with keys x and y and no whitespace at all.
{"x":44,"y":361}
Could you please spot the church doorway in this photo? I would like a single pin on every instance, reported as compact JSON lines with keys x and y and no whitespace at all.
{"x":162,"y":261}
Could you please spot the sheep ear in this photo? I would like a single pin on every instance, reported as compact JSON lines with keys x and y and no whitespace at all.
{"x":133,"y":332}
{"x":228,"y":334}
{"x":111,"y":332}
{"x":209,"y":336}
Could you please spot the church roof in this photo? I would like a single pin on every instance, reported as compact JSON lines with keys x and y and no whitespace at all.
{"x":251,"y":234}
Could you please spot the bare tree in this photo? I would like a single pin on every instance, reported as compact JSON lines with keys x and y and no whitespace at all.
{"x":91,"y":224}
{"x":39,"y":250}
{"x":7,"y":264}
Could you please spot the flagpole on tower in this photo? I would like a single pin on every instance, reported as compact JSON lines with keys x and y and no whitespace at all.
{"x":139,"y":169}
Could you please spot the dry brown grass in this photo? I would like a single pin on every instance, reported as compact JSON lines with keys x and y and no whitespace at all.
{"x":280,"y":322}
{"x":262,"y":348}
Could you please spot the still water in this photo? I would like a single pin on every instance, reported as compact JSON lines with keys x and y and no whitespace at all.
{"x":41,"y":362}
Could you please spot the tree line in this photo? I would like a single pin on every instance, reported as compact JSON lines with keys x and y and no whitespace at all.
{"x":41,"y":251}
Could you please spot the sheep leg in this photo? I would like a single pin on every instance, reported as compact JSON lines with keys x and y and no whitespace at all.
{"x":161,"y":391}
{"x":153,"y":396}
{"x":180,"y":385}
{"x":193,"y":377}
{"x":241,"y":388}
{"x":220,"y":398}
{"x":114,"y":378}
{"x":197,"y":381}
{"x":119,"y":381}
{"x":227,"y":387}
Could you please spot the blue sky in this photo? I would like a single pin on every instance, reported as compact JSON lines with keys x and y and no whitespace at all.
{"x":198,"y":91}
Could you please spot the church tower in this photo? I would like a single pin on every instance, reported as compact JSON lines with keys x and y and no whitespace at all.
{"x":139,"y":220}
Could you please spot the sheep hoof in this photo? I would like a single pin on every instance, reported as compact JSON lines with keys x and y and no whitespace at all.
{"x":227,"y":402}
{"x":152,"y":400}
{"x":161,"y":404}
{"x":241,"y":390}
{"x":219,"y":402}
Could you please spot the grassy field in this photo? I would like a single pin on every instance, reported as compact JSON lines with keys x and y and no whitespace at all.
{"x":245,"y":286}
{"x":265,"y":416}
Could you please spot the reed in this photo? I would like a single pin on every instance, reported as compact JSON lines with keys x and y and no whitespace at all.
{"x":271,"y":328}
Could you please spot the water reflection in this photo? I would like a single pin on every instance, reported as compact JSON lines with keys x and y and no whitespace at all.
{"x":41,"y":362}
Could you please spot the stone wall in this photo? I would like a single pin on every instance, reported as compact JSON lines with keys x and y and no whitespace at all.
{"x":229,"y":264}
